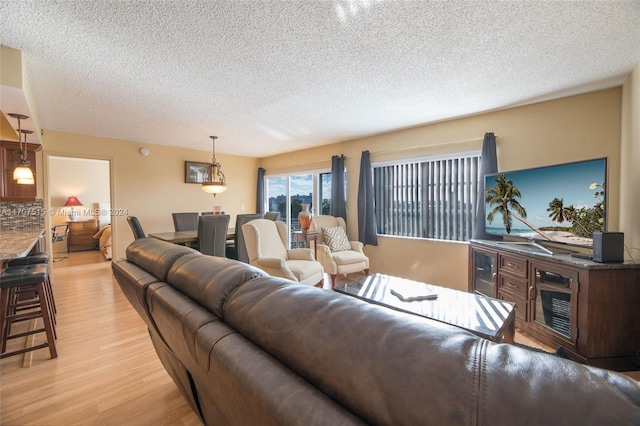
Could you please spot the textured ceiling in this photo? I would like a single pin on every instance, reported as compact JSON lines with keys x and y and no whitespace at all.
{"x":275,"y":76}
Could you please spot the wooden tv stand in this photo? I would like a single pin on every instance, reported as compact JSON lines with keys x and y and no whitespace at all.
{"x":591,"y":310}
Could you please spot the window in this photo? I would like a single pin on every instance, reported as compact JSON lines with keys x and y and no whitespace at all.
{"x":427,"y":198}
{"x":286,"y":194}
{"x":325,"y":193}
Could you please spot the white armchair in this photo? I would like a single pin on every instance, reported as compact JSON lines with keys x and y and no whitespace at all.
{"x":337,"y":254}
{"x":266,"y":242}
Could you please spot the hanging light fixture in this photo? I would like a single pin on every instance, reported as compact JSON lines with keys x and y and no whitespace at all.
{"x":218,"y":183}
{"x":25,"y":173}
{"x":22,"y":173}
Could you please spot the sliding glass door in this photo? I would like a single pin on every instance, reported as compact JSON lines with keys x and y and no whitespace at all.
{"x":287,"y":194}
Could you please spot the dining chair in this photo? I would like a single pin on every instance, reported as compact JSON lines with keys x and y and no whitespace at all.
{"x":185,"y":221}
{"x":238,"y":250}
{"x":212,"y":234}
{"x":134,"y":223}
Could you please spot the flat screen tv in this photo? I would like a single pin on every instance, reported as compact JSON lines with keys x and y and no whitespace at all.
{"x":564,"y":203}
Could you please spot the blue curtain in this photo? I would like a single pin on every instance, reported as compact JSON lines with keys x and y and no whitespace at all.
{"x":367,"y":230}
{"x":338,"y":202}
{"x":260,"y":191}
{"x":488,"y":165}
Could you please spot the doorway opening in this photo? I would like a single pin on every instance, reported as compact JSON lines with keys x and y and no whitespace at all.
{"x":79,"y":199}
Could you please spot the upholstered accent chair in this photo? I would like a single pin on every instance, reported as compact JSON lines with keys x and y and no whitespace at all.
{"x":266,"y":242}
{"x":337,"y":254}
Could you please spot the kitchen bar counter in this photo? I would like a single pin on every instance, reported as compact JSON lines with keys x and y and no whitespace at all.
{"x":18,"y":243}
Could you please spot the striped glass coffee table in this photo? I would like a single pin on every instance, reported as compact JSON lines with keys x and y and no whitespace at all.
{"x":490,"y":318}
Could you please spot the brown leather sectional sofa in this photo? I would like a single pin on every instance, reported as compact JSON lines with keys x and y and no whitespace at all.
{"x":248,"y":349}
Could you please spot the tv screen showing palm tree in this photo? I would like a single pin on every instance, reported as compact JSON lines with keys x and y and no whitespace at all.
{"x":564,"y":203}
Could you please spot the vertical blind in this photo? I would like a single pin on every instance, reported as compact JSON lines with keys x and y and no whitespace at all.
{"x":428,"y":198}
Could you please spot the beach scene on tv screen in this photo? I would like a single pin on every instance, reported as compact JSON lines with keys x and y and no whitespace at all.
{"x":562,"y":203}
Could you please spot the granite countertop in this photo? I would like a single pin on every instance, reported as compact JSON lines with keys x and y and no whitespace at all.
{"x":560,"y":256}
{"x":19,"y":242}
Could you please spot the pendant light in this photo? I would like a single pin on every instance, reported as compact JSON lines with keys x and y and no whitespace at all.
{"x":22,"y":173}
{"x":218,"y":183}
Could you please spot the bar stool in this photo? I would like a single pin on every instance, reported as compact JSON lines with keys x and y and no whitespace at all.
{"x":33,"y":279}
{"x":30,"y":259}
{"x":36,"y":258}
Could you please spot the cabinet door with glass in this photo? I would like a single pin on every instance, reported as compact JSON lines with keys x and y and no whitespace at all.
{"x":554,"y":301}
{"x":483,"y":272}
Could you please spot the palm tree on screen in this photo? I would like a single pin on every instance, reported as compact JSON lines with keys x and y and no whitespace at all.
{"x":557,"y":211}
{"x":503,"y":196}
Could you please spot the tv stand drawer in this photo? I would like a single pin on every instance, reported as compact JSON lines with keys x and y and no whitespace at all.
{"x":514,"y":265}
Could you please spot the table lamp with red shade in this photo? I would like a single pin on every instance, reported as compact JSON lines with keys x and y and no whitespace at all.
{"x":73,"y":201}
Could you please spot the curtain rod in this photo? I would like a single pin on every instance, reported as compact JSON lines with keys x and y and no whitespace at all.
{"x":411,"y":148}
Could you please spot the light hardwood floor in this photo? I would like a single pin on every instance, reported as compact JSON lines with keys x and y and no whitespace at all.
{"x":107,"y":372}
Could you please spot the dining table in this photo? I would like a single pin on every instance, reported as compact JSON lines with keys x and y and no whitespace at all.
{"x":186,"y":237}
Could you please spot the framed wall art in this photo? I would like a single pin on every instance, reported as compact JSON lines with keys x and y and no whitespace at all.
{"x":195,"y":172}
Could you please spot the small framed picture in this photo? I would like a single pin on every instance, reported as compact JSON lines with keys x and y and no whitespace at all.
{"x":195,"y":172}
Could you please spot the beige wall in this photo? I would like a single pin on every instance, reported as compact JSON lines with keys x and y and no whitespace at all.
{"x":565,"y":130}
{"x":569,"y":129}
{"x":153,"y":187}
{"x":630,"y":164}
{"x":11,"y":76}
{"x":10,"y":67}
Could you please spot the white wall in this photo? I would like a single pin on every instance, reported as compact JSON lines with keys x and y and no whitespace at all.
{"x":630,"y":163}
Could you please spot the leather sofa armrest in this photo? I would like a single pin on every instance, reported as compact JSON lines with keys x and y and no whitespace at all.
{"x":301,"y":254}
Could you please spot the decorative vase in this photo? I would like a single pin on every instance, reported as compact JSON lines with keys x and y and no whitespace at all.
{"x":304,"y":217}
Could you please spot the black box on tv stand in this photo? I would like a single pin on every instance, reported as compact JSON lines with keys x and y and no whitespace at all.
{"x":608,"y":247}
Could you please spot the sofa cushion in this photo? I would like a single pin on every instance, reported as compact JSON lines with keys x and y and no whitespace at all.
{"x":303,"y":269}
{"x":247,"y":386}
{"x":181,"y":321}
{"x":348,"y":257}
{"x":209,"y":280}
{"x":156,"y":256}
{"x":356,"y":346}
{"x":336,"y":238}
